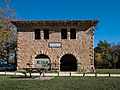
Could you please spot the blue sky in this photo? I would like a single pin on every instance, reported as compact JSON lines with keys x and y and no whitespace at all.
{"x":107,"y":11}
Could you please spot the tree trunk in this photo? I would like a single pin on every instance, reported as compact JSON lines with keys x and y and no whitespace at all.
{"x":7,"y":55}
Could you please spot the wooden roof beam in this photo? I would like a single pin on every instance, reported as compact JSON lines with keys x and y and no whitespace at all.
{"x":51,"y":23}
{"x":78,"y":23}
{"x":71,"y":22}
{"x":44,"y":23}
{"x":65,"y":22}
{"x":58,"y":23}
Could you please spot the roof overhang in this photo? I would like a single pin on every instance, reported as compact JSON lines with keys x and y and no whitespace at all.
{"x":19,"y":23}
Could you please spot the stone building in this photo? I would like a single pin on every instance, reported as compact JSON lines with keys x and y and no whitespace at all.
{"x":63,"y":45}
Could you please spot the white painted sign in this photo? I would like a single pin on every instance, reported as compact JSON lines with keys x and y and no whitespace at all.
{"x":42,"y":63}
{"x":55,"y":44}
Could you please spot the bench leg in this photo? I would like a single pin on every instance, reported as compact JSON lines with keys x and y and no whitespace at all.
{"x":30,"y":75}
{"x":40,"y":74}
{"x":25,"y":75}
{"x":43,"y":74}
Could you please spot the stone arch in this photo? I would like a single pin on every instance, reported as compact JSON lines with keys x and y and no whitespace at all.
{"x":42,"y":52}
{"x":31,"y":62}
{"x":62,"y":54}
{"x":42,"y":61}
{"x":68,"y":62}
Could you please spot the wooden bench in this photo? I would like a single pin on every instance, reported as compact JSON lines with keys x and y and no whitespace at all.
{"x":33,"y":70}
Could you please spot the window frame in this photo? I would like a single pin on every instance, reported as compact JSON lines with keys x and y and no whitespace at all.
{"x":46,"y":33}
{"x":37,"y":34}
{"x":72,"y":33}
{"x":64,"y":33}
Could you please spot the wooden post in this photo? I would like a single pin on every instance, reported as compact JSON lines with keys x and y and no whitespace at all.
{"x":15,"y":73}
{"x":58,"y":73}
{"x":70,"y":73}
{"x":5,"y":73}
{"x":109,"y":73}
{"x":95,"y":74}
{"x":25,"y":74}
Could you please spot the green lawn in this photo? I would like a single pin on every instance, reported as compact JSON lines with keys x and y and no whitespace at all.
{"x":105,"y":71}
{"x":61,"y":83}
{"x":98,"y":71}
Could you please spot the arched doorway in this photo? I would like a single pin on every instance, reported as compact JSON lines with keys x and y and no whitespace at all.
{"x":68,"y":63}
{"x":42,"y":61}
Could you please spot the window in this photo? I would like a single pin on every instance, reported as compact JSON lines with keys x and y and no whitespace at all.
{"x":46,"y":34}
{"x":37,"y":33}
{"x":63,"y":33}
{"x":72,"y":33}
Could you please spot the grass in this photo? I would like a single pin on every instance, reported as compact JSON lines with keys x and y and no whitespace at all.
{"x":61,"y":83}
{"x":98,"y":71}
{"x":53,"y":71}
{"x":105,"y":71}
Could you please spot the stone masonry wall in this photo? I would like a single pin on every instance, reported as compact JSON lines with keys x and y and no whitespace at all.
{"x":81,"y":47}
